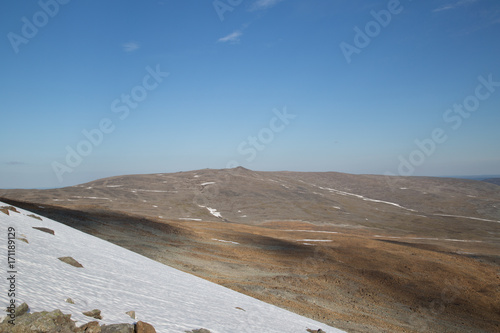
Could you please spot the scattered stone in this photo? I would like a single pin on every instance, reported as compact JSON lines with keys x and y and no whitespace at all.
{"x":96,"y":313}
{"x":200,"y":330}
{"x":142,"y":327}
{"x":117,"y":328}
{"x":69,"y":300}
{"x":315,"y":331}
{"x":23,"y":239}
{"x":131,"y":314}
{"x":57,"y":322}
{"x":70,"y":261}
{"x":240,"y":308}
{"x":47,"y":230}
{"x":5,"y":209}
{"x":35,"y":217}
{"x":91,"y":327}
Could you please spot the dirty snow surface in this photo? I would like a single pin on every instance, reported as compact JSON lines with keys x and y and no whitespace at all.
{"x":115,"y":280}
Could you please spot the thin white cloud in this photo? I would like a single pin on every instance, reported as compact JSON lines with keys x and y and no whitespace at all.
{"x":263,"y":4}
{"x":457,"y":4}
{"x":130,"y":46}
{"x":233,"y":37}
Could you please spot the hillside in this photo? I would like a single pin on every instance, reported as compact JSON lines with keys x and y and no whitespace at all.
{"x":115,"y":281}
{"x":363,"y":253}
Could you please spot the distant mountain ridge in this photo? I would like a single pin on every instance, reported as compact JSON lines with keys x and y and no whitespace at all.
{"x":495,"y":181}
{"x":251,"y":197}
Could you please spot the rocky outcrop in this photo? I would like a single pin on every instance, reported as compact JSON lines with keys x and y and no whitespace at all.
{"x":6,"y":209}
{"x":91,"y":327}
{"x":58,"y":322}
{"x":43,"y":322}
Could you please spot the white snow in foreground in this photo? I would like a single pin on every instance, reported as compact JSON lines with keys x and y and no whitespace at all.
{"x":116,"y":280}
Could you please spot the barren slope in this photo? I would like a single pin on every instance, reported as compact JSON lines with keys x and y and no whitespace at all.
{"x":363,"y":253}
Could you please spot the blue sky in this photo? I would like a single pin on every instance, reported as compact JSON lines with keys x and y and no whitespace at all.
{"x":381,"y":87}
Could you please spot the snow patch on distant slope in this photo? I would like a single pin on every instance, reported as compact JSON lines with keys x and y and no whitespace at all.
{"x":364,"y":198}
{"x":212,"y":211}
{"x":467,"y":217}
{"x":224,"y":241}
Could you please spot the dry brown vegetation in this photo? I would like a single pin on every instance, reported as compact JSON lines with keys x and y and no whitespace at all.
{"x":364,"y":266}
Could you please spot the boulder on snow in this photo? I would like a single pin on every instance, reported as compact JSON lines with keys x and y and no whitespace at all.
{"x":200,"y":330}
{"x":5,"y":209}
{"x":131,"y":314}
{"x":70,"y":261}
{"x":96,"y":313}
{"x":91,"y":327}
{"x":22,"y":309}
{"x":35,"y":217}
{"x":117,"y":328}
{"x":47,"y":230}
{"x":142,"y":327}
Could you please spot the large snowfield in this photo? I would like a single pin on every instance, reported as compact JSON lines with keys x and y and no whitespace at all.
{"x":115,"y":280}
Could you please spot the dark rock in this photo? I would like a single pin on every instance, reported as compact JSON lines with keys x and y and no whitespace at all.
{"x":47,"y":230}
{"x":96,"y":313}
{"x":142,"y":327}
{"x":71,"y":261}
{"x":200,"y":330}
{"x":117,"y":328}
{"x":23,"y":239}
{"x":41,"y":322}
{"x":22,"y":309}
{"x":35,"y":217}
{"x":69,"y":300}
{"x":92,"y":327}
{"x":5,"y":209}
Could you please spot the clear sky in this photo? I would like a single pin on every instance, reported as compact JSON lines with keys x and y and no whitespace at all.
{"x":91,"y":89}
